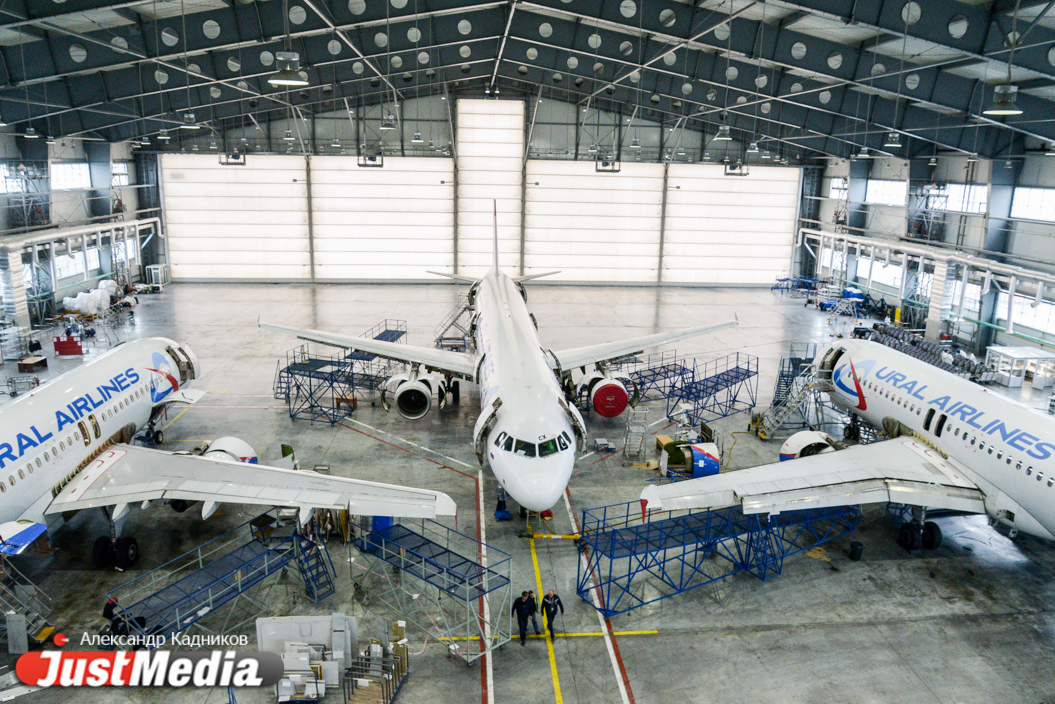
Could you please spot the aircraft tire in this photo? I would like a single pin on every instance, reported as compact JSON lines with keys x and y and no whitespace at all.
{"x":127,"y":552}
{"x":931,"y":538}
{"x":456,"y":392}
{"x":909,"y":537}
{"x":103,"y":553}
{"x":158,"y":437}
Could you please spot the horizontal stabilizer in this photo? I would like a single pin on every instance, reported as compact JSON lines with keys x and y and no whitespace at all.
{"x":456,"y":277}
{"x":16,"y":536}
{"x":532,"y":277}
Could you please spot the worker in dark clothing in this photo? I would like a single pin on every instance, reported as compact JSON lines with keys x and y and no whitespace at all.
{"x":550,"y":603}
{"x":534,"y":610}
{"x":522,"y":609}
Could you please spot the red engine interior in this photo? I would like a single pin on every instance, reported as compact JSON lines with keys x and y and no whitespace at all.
{"x":609,"y":398}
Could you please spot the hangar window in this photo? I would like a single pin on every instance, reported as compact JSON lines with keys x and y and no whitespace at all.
{"x":527,"y":449}
{"x":119,"y":173}
{"x":71,"y":175}
{"x":883,"y":192}
{"x":965,"y":198}
{"x":837,"y":188}
{"x":9,"y":182}
{"x":1034,"y":204}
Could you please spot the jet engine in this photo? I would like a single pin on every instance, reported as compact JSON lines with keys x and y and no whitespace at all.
{"x":412,"y":394}
{"x":226,"y":449}
{"x":608,"y":394}
{"x":807,"y":443}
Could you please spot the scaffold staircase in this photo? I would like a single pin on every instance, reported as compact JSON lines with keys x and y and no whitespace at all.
{"x":18,"y":595}
{"x":454,"y":332}
{"x":442,"y":582}
{"x":795,"y":401}
{"x":716,"y":389}
{"x":636,"y":428}
{"x":221,"y":574}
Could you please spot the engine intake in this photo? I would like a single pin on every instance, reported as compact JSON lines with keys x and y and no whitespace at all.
{"x":808,"y":443}
{"x":413,"y":399}
{"x":608,"y":396}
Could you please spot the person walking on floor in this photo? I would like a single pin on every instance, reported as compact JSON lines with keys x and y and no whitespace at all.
{"x":550,"y":603}
{"x":534,"y":610}
{"x":522,"y":609}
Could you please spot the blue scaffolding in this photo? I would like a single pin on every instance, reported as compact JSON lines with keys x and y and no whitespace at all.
{"x":637,"y":562}
{"x":656,"y":374}
{"x":323,"y":389}
{"x":800,"y":356}
{"x":464,"y":597}
{"x":171,"y":598}
{"x":716,"y":389}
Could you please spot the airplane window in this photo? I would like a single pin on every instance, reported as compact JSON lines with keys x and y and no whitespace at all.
{"x":12,"y":480}
{"x":76,"y":436}
{"x":46,"y":457}
{"x":84,"y":432}
{"x":965,"y":436}
{"x":22,"y":475}
{"x":527,"y":449}
{"x":1040,"y":477}
{"x":500,"y":438}
{"x":990,"y":449}
{"x":2,"y":488}
{"x":930,"y":417}
{"x":1050,"y":482}
{"x":912,"y":408}
{"x":68,"y":441}
{"x":1008,"y":461}
{"x":1029,"y":471}
{"x":62,"y":446}
{"x":565,"y":436}
{"x":38,"y":461}
{"x":547,"y":448}
{"x":95,"y":425}
{"x":508,"y":447}
{"x":122,"y":405}
{"x":30,"y":467}
{"x":562,"y":442}
{"x":940,"y":425}
{"x":1000,"y":455}
{"x":1018,"y":465}
{"x":919,"y":410}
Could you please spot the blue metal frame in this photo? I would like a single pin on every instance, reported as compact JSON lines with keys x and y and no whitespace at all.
{"x":719,"y":388}
{"x":625,"y":552}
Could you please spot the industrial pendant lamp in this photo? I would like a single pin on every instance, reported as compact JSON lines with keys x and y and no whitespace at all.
{"x":288,"y":137}
{"x":635,"y":143}
{"x":2,"y":123}
{"x":972,"y":158}
{"x":288,"y":74}
{"x":1051,"y":150}
{"x":163,"y":135}
{"x":753,"y":148}
{"x":1004,"y":100}
{"x":933,"y":161}
{"x":388,"y":122}
{"x":30,"y":133}
{"x":723,"y":134}
{"x":417,"y":138}
{"x":188,"y":122}
{"x":767,"y":155}
{"x":336,"y":143}
{"x":893,"y":141}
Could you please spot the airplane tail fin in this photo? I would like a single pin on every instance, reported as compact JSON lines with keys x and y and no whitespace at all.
{"x":496,"y":235}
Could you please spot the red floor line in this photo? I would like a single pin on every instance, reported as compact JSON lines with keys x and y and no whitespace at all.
{"x":611,"y":454}
{"x":600,"y":598}
{"x":427,"y":459}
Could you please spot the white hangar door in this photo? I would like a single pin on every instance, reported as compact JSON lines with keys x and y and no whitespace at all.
{"x":729,"y":229}
{"x":236,"y":222}
{"x":387,"y":224}
{"x":490,"y":144}
{"x":593,"y":226}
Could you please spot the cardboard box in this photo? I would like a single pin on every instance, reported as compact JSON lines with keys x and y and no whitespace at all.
{"x":32,"y":364}
{"x":662,"y":440}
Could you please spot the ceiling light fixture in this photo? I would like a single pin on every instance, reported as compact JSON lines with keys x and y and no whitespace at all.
{"x":767,"y":155}
{"x":592,"y":149}
{"x":1009,"y":164}
{"x":723,"y":134}
{"x":1051,"y":150}
{"x":163,"y":135}
{"x":933,"y":161}
{"x":417,"y":138}
{"x":1004,"y":100}
{"x":288,"y":137}
{"x":288,"y":75}
{"x":972,"y":158}
{"x":893,"y":141}
{"x":635,"y":143}
{"x":2,"y":123}
{"x":753,"y":148}
{"x":30,"y":133}
{"x":336,"y":143}
{"x":188,"y":122}
{"x":388,"y":122}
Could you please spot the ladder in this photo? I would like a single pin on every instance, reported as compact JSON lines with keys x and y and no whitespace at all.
{"x":315,"y":566}
{"x":802,"y":387}
{"x":459,"y":318}
{"x":636,"y":426}
{"x":20,"y":596}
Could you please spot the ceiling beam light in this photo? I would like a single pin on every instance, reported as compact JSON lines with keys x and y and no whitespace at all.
{"x":723,"y":134}
{"x":30,"y":133}
{"x":753,"y":148}
{"x":893,"y":141}
{"x":288,"y":74}
{"x":388,"y":122}
{"x":635,"y":143}
{"x":188,"y":122}
{"x":417,"y":138}
{"x":1003,"y":101}
{"x":1050,"y":152}
{"x":288,"y":137}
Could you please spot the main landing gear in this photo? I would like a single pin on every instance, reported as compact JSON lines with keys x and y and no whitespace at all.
{"x":115,"y":550}
{"x":919,"y":533}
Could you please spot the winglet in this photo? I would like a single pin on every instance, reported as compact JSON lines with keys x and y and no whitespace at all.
{"x":258,"y":320}
{"x":736,"y":318}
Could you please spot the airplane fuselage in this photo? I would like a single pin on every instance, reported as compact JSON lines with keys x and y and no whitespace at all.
{"x":1007,"y":449}
{"x":531,"y":442}
{"x":48,"y":435}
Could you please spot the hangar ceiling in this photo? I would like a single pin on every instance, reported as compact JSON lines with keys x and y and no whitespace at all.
{"x":816,"y":77}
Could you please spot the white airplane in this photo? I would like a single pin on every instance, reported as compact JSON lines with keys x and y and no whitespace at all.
{"x":955,"y":447}
{"x":63,"y":448}
{"x":526,"y":426}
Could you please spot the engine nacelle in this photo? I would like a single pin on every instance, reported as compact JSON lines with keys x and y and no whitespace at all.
{"x":413,"y":395}
{"x":608,"y":395}
{"x":806,"y":444}
{"x":231,"y":450}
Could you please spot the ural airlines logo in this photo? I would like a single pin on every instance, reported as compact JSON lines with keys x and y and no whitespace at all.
{"x":846,"y":380}
{"x":156,"y":668}
{"x":162,"y":381}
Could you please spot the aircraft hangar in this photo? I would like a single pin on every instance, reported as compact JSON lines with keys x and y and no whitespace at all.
{"x":587,"y":270}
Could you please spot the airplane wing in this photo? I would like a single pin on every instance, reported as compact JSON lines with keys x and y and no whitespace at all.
{"x":902,"y":470}
{"x":126,"y":474}
{"x":581,"y":356}
{"x":456,"y":363}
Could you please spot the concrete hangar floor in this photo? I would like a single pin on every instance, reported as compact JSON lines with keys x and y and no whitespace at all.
{"x":970,"y":622}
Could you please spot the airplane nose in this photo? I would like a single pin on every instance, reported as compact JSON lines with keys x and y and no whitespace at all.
{"x":538,"y":491}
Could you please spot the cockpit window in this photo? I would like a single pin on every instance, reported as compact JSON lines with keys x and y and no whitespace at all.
{"x":547,"y":448}
{"x":562,"y":442}
{"x":508,"y":446}
{"x":527,"y":449}
{"x":501,"y":436}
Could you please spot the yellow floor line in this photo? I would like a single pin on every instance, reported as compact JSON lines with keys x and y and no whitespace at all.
{"x":549,"y":642}
{"x":598,"y":634}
